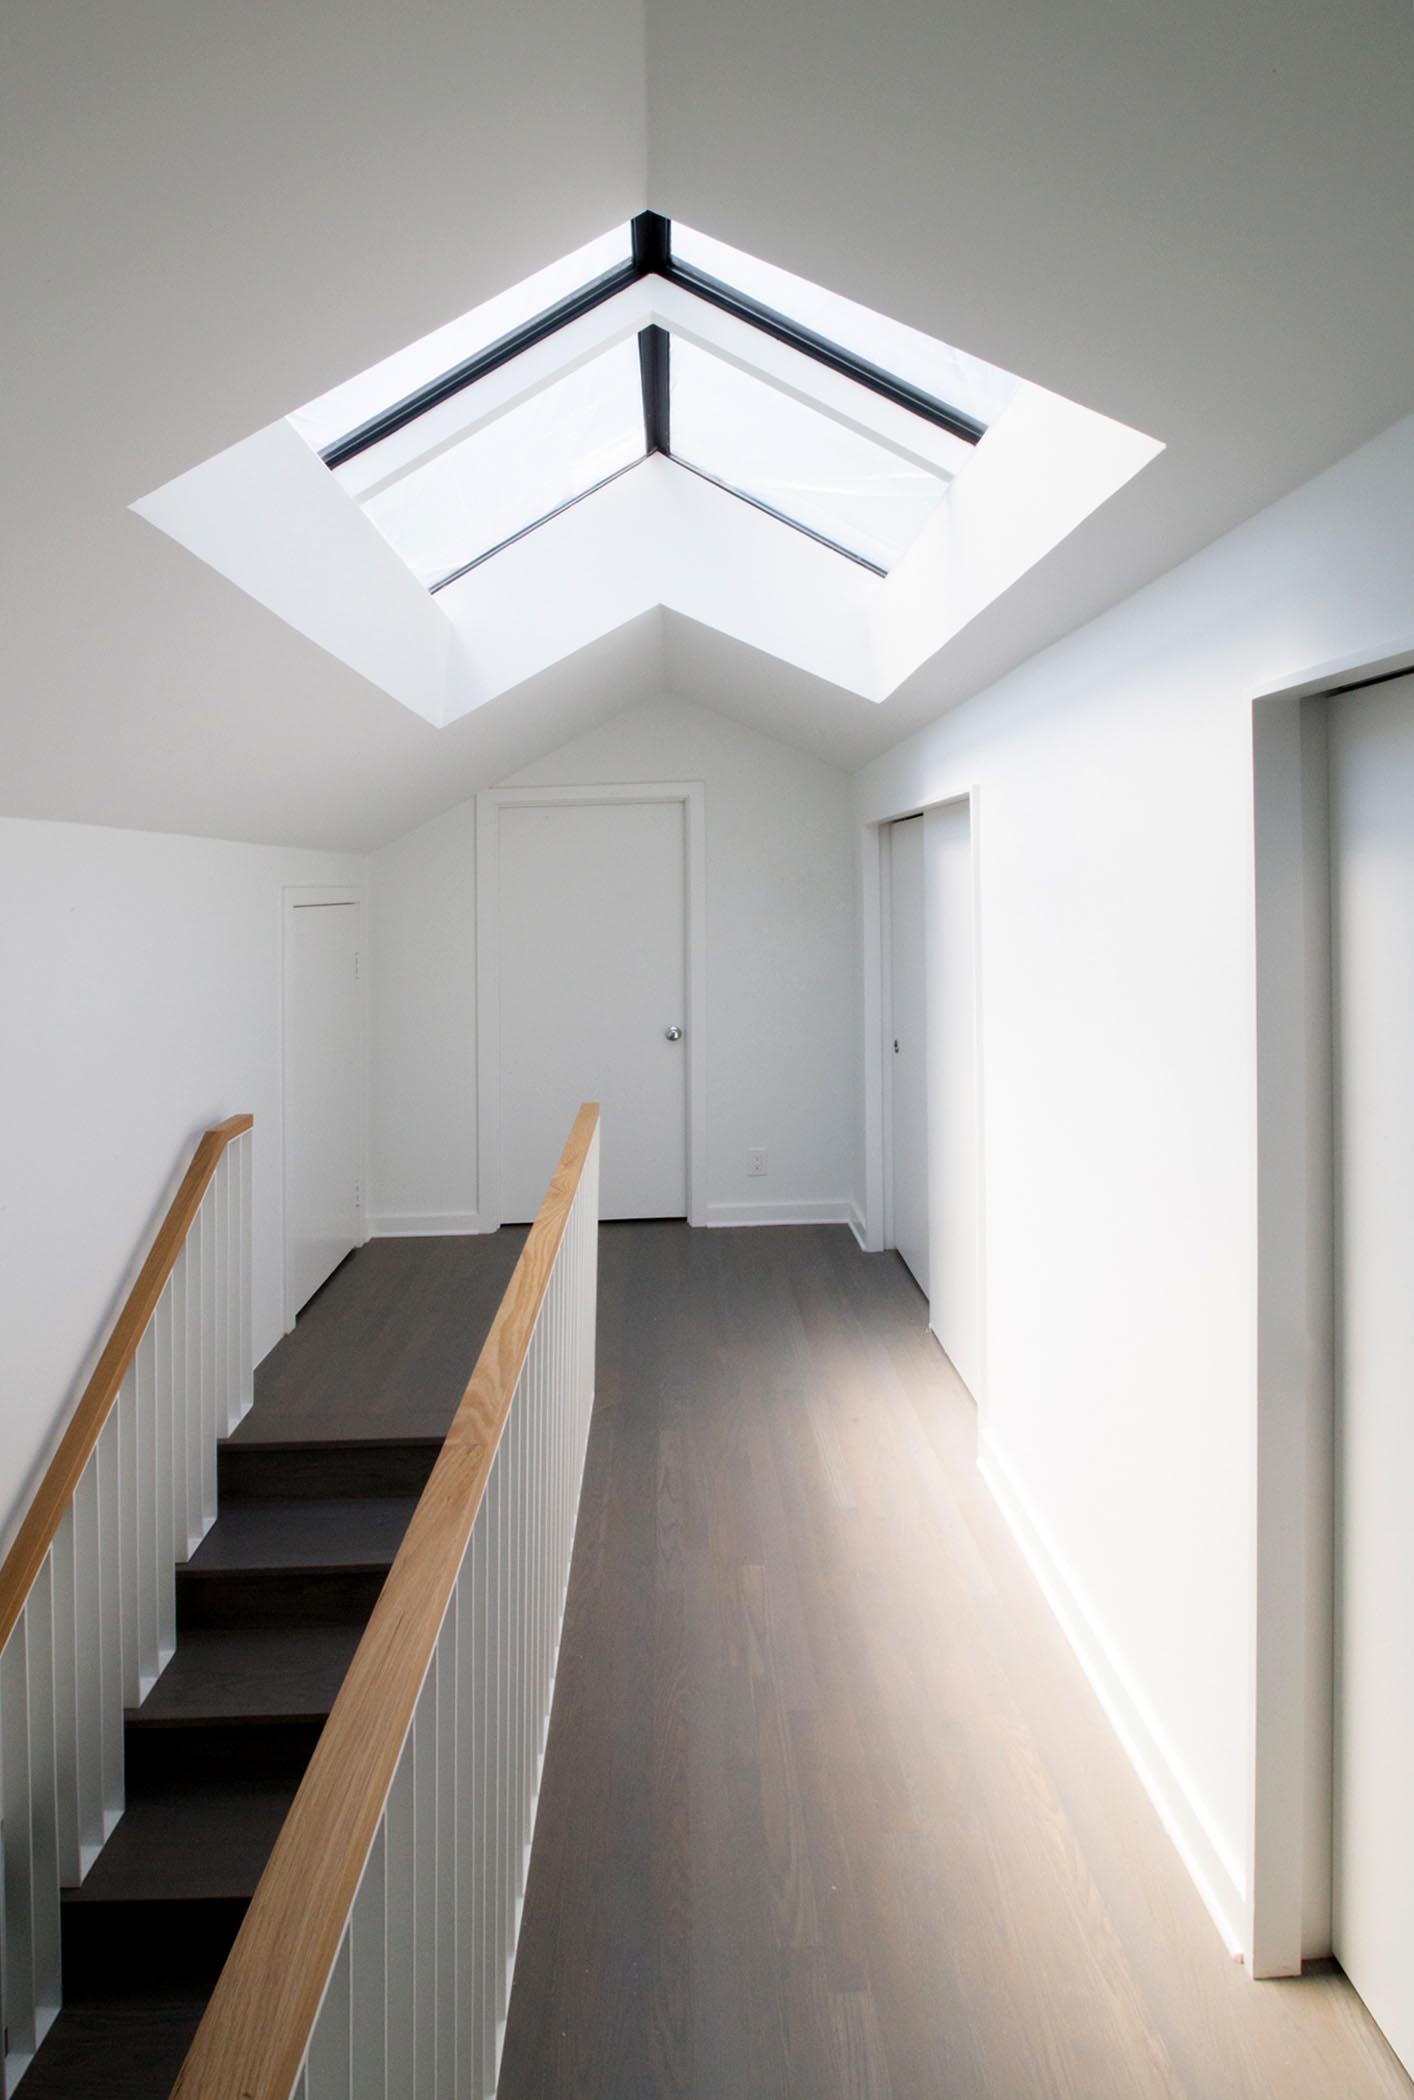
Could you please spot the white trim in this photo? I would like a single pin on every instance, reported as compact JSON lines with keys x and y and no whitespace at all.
{"x":874,"y":1229}
{"x":806,"y":1211}
{"x":871,"y":994}
{"x":1215,"y":1875}
{"x":974,"y":832}
{"x":293,"y":896}
{"x":426,"y":1224}
{"x":1293,"y":1425}
{"x":489,"y":803}
{"x":855,"y":1221}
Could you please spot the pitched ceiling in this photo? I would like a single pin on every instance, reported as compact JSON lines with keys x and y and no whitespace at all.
{"x":1193,"y":219}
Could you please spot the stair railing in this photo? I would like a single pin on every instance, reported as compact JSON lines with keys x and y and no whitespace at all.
{"x":87,"y":1590}
{"x":376,"y":1955}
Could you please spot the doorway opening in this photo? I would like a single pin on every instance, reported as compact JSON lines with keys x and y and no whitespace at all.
{"x":930,"y":1120}
{"x":1334,"y":836}
{"x":324,"y":1086}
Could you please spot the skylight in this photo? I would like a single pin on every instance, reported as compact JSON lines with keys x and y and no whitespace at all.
{"x":465,"y":442}
{"x":657,"y":420}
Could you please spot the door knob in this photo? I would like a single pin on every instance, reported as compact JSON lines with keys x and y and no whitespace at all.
{"x":674,"y":1035}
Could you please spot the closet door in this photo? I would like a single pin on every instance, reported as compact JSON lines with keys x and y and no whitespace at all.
{"x":1372,"y":858}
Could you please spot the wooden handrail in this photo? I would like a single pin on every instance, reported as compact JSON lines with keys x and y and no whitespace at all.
{"x":256,"y":2029}
{"x":55,"y":1492}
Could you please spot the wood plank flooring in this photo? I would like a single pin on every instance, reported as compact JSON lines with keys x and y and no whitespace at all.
{"x":829,"y":1811}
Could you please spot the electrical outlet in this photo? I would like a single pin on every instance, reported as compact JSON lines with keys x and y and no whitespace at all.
{"x":756,"y":1159}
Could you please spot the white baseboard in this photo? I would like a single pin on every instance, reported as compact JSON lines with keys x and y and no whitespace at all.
{"x":425,"y":1224}
{"x":1182,"y":1816}
{"x":833,"y":1211}
{"x":856,"y":1224}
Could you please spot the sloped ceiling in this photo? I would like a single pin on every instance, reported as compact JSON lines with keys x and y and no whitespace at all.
{"x":1195,"y":219}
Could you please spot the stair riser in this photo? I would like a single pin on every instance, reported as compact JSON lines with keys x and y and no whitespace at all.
{"x":301,"y":1471}
{"x":219,"y":1750}
{"x":276,"y":1596}
{"x":107,"y":1946}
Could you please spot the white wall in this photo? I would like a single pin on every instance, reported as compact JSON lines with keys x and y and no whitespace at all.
{"x":780,"y":998}
{"x":140,"y":1004}
{"x":1118,"y":1084}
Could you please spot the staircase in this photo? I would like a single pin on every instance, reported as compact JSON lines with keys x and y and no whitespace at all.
{"x":188,"y":1741}
{"x":269,"y":1612}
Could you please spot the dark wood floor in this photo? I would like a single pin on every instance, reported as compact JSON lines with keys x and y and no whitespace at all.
{"x":828,"y":1808}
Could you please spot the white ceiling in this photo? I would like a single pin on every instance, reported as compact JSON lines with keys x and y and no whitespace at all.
{"x":1196,"y":219}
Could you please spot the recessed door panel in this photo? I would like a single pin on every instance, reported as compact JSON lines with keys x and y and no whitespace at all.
{"x":1372,"y":854}
{"x":323,"y":1093}
{"x":592,"y":993}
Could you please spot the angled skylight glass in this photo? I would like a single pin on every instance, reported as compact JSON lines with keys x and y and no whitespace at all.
{"x":350,"y":405}
{"x":514,"y":472}
{"x":966,"y":383}
{"x":795,"y":461}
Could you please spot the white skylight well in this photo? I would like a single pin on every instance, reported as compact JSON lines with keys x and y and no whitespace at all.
{"x":657,"y":419}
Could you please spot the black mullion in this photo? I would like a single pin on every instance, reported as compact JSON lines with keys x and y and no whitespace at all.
{"x":653,"y":355}
{"x":823,"y":351}
{"x":652,"y":256}
{"x":484,"y":362}
{"x":652,"y":244}
{"x":782,"y":517}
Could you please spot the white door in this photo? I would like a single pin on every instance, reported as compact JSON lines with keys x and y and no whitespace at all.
{"x":909,"y":1046}
{"x":1372,"y":857}
{"x":954,"y":1297}
{"x":323,"y":1094}
{"x":592,"y":986}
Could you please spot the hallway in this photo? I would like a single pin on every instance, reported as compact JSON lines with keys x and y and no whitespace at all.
{"x":828,"y":1808}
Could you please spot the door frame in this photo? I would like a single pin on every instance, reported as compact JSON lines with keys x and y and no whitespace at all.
{"x":1292,"y":1778}
{"x":298,"y":896}
{"x":489,"y":803}
{"x":875,"y":1228}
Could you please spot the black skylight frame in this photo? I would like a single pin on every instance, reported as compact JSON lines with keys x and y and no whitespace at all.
{"x":652,"y":255}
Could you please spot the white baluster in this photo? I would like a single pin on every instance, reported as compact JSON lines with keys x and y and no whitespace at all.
{"x":165,"y":1511}
{"x":65,"y":1692}
{"x":328,"y":2069}
{"x":148,"y":1519}
{"x":125,"y":1412}
{"x":368,"y":1940}
{"x":468,"y":1786}
{"x":446,"y":1949}
{"x":245,"y":1145}
{"x":112,"y":1587}
{"x":17,"y":1949}
{"x":211,"y":1419}
{"x":88,"y":1665}
{"x":401,"y":1911}
{"x":424,"y":1728}
{"x":183,"y":1503}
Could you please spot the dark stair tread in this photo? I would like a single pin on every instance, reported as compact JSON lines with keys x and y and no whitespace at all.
{"x":282,"y":1532}
{"x":127,"y":2047}
{"x":188,"y":1843}
{"x":252,"y":1434}
{"x":249,"y":1673}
